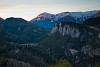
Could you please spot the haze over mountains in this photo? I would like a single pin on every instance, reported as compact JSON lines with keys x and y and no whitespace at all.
{"x":67,"y":39}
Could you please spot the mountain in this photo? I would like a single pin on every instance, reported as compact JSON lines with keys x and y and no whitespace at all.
{"x":71,"y":44}
{"x":77,"y":43}
{"x":47,"y":20}
{"x":68,"y":44}
{"x":23,"y":31}
{"x":44,"y":20}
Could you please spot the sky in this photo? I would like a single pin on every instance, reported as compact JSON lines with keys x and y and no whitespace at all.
{"x":29,"y":9}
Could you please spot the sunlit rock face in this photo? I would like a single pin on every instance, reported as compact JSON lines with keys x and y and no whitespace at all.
{"x":64,"y":29}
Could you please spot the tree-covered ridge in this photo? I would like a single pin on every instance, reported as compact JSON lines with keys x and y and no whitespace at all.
{"x":22,"y":30}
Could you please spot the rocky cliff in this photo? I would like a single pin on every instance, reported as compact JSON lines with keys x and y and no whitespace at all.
{"x":74,"y":30}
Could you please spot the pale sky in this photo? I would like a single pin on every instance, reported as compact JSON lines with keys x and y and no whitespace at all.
{"x":29,"y":9}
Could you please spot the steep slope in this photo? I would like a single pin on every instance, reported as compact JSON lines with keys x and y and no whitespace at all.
{"x":75,"y":42}
{"x":23,"y":31}
{"x":47,"y":20}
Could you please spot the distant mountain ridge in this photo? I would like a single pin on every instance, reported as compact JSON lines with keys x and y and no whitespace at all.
{"x":47,"y":20}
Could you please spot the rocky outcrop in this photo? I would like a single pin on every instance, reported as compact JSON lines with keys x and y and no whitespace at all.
{"x":65,"y":29}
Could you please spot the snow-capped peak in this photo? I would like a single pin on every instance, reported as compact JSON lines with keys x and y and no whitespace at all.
{"x":68,"y":16}
{"x":44,"y":16}
{"x":47,"y":20}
